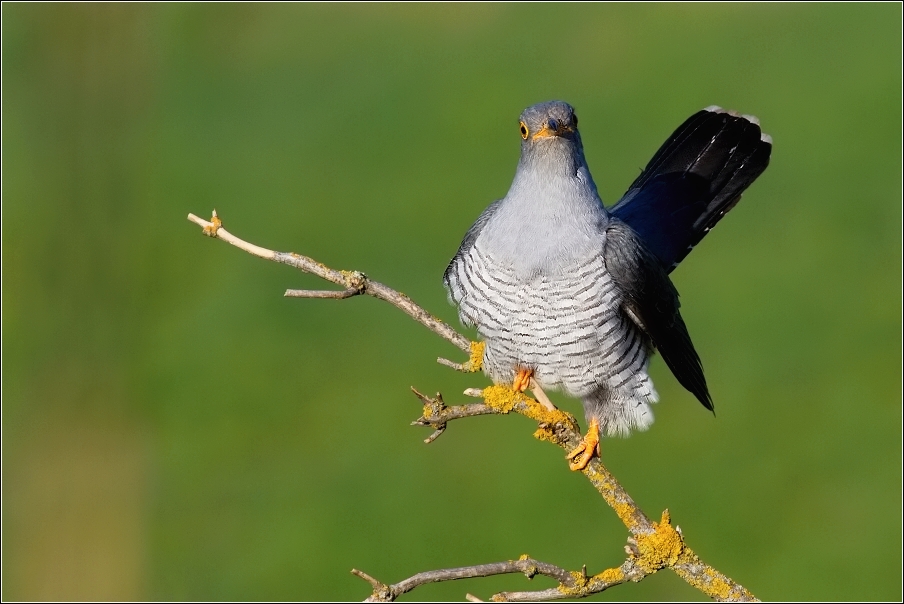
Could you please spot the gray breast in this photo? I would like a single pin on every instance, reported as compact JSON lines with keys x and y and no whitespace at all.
{"x":565,"y":325}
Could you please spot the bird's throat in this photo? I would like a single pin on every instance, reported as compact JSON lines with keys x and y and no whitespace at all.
{"x":546,"y":221}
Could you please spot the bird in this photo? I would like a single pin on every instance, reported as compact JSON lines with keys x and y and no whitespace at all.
{"x":572,"y":296}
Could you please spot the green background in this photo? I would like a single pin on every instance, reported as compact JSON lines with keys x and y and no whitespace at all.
{"x":173,"y":428}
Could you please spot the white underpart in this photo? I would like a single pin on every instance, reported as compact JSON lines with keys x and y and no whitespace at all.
{"x":567,"y":327}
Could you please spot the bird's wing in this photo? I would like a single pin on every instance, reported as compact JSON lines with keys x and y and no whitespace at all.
{"x":468,"y":242}
{"x":651,"y":301}
{"x":696,"y":176}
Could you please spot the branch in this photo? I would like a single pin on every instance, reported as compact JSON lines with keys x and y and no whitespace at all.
{"x":354,"y":283}
{"x":572,"y":584}
{"x":653,"y":545}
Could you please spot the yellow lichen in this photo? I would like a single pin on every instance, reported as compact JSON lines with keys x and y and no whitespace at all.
{"x":214,"y":226}
{"x":719,"y":588}
{"x":663,"y":547}
{"x":538,"y":412}
{"x":501,"y":398}
{"x":625,"y":513}
{"x":353,"y":279}
{"x":584,"y":585}
{"x":580,"y":586}
{"x":610,"y":576}
{"x":475,"y":363}
{"x":714,"y":585}
{"x":568,"y":591}
{"x":529,"y":571}
{"x":547,"y":435}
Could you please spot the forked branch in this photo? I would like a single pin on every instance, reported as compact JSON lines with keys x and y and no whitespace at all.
{"x":354,"y":283}
{"x":652,"y":545}
{"x":571,"y":584}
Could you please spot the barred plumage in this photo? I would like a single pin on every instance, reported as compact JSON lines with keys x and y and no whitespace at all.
{"x":566,"y":327}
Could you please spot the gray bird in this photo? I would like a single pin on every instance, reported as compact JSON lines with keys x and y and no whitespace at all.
{"x":568,"y":295}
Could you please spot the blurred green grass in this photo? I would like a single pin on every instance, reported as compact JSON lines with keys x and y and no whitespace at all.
{"x":175,"y":429}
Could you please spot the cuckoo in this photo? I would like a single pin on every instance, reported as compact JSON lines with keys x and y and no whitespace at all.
{"x":571,"y":296}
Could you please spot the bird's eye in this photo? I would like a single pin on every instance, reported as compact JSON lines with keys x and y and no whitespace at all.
{"x":524,"y":131}
{"x":574,"y":118}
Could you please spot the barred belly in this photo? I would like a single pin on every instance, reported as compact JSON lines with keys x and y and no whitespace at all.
{"x":565,"y":326}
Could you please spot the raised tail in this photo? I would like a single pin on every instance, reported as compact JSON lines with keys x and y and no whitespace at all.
{"x":696,"y":176}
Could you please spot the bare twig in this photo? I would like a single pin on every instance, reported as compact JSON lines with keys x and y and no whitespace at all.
{"x":572,"y":584}
{"x":474,"y":363}
{"x":351,"y":281}
{"x":653,"y":545}
{"x":321,"y":293}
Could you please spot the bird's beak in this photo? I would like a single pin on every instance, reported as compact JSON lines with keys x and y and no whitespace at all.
{"x":553,"y":128}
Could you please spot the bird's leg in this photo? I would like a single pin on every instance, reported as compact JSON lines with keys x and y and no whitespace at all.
{"x":589,"y":446}
{"x":522,"y":380}
{"x":540,"y":395}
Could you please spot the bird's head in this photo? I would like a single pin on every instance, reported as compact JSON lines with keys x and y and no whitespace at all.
{"x":550,"y":138}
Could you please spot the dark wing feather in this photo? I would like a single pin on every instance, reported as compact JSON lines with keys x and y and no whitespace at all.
{"x":651,"y":301}
{"x":696,"y":176}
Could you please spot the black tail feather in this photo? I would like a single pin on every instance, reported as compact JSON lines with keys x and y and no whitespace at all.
{"x":696,"y":177}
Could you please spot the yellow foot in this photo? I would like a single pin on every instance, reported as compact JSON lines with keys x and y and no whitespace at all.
{"x":522,"y":380}
{"x":589,"y":446}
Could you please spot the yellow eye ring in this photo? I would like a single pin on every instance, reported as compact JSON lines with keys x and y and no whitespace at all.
{"x":524,"y":131}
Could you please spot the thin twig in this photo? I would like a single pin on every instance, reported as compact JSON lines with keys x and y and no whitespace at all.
{"x":452,"y":364}
{"x":321,"y":293}
{"x":571,"y":584}
{"x":349,"y":280}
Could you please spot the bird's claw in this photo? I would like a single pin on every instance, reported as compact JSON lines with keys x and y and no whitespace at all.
{"x":589,"y":446}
